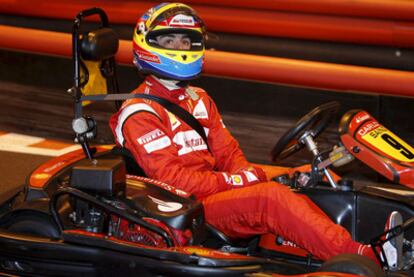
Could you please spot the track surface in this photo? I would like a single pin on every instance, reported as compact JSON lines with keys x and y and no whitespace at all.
{"x":14,"y":167}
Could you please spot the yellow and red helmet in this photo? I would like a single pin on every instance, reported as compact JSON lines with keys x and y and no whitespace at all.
{"x":176,"y":64}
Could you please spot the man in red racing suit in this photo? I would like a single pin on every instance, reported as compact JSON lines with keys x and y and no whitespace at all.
{"x":238,"y":198}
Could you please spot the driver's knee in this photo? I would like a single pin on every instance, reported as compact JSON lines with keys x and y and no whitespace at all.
{"x":275,"y":189}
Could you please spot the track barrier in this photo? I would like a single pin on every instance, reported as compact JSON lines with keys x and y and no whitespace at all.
{"x":344,"y":78}
{"x":381,"y":22}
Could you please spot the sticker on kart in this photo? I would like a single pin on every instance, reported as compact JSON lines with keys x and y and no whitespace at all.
{"x":390,"y":144}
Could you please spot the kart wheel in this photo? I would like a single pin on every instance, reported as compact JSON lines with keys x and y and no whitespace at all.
{"x":353,"y":264}
{"x":32,"y":223}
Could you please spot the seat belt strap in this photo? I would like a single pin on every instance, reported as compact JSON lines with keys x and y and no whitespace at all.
{"x":173,"y":108}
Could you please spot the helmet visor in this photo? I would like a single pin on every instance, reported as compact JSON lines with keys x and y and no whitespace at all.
{"x":176,"y":39}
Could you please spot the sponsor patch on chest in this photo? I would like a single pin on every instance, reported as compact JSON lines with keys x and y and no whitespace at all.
{"x":189,"y":141}
{"x":200,"y":111}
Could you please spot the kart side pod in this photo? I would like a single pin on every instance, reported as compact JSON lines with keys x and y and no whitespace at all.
{"x":377,"y":147}
{"x":106,"y":177}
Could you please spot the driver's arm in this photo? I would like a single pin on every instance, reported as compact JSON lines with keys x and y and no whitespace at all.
{"x":158,"y":157}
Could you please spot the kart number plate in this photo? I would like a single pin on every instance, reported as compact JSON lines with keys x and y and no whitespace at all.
{"x":387,"y":142}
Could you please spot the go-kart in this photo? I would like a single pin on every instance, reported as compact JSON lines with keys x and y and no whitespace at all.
{"x":93,"y":212}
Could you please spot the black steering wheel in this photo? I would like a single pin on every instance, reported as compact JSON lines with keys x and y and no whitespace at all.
{"x":313,"y":123}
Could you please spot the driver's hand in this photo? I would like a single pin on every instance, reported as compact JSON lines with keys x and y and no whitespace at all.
{"x":273,"y":171}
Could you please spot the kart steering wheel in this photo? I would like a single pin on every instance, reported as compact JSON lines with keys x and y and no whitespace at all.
{"x":313,"y":123}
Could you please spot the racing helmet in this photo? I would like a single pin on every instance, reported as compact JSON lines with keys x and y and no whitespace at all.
{"x":176,"y":64}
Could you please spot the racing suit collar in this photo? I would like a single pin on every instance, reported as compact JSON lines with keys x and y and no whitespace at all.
{"x":166,"y":89}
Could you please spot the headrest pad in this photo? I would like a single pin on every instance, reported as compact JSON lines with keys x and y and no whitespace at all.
{"x":99,"y":45}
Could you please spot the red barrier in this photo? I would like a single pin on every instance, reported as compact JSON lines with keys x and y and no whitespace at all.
{"x":385,"y":9}
{"x":249,"y":67}
{"x":35,"y":41}
{"x":243,"y":21}
{"x":344,"y":78}
{"x":313,"y":27}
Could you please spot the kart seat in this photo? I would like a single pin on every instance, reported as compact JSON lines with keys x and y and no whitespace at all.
{"x":97,"y":61}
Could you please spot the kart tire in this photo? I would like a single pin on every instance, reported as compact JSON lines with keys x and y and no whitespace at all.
{"x":34,"y":224}
{"x":353,"y":264}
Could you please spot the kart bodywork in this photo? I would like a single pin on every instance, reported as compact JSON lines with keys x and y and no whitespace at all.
{"x":89,"y":211}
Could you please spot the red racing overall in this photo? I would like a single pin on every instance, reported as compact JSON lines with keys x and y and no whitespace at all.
{"x":237,"y":197}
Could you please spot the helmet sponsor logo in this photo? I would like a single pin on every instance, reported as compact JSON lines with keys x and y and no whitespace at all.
{"x":145,"y":56}
{"x":182,"y":20}
{"x":141,"y":28}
